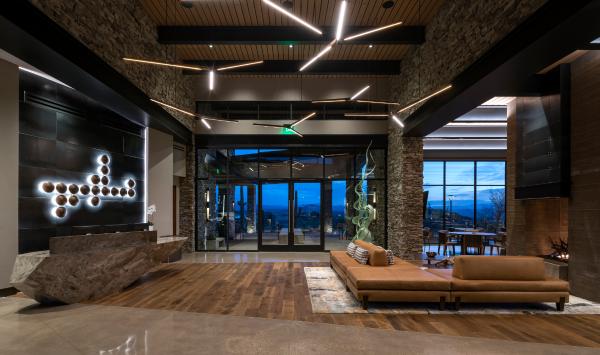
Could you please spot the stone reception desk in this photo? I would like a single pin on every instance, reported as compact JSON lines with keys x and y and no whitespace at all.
{"x":85,"y":267}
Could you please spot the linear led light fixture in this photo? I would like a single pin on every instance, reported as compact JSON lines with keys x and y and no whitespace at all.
{"x":205,"y":123}
{"x":211,"y":80}
{"x":360,"y":92}
{"x":240,"y":65}
{"x":476,"y":124}
{"x":329,"y":101}
{"x":365,"y":114}
{"x":163,"y":64}
{"x":377,"y":102}
{"x":45,"y":76}
{"x":303,"y":119}
{"x":292,"y":16}
{"x":202,"y":118}
{"x":425,"y":98}
{"x":398,"y":121}
{"x":377,"y":29}
{"x":208,"y":118}
{"x":174,"y":108}
{"x":320,"y":54}
{"x":340,"y":23}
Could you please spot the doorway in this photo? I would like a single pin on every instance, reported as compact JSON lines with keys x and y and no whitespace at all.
{"x":291,"y":215}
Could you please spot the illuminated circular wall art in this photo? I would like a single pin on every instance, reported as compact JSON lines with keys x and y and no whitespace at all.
{"x":60,"y":212}
{"x":73,"y":200}
{"x":61,"y":200}
{"x":84,"y":189}
{"x":48,"y":187}
{"x":60,"y":187}
{"x":73,"y":188}
{"x":96,"y":183}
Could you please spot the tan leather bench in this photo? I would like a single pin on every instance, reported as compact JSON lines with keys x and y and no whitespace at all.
{"x":497,"y":279}
{"x":397,"y":284}
{"x":473,"y":279}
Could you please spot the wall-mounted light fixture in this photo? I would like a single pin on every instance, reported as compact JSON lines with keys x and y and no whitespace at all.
{"x":65,"y":195}
{"x":207,"y":203}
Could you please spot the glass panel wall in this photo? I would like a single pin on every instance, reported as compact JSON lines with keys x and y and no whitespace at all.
{"x":464,"y":194}
{"x":234,"y":185}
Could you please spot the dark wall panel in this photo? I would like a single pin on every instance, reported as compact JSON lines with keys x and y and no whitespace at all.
{"x":62,"y":134}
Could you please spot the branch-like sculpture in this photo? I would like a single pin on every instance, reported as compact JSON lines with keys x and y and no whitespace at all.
{"x":365,"y":213}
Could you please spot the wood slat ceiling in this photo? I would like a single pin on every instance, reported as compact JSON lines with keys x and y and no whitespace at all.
{"x":317,"y":12}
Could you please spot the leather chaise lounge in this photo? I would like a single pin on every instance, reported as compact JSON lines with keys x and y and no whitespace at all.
{"x":479,"y":279}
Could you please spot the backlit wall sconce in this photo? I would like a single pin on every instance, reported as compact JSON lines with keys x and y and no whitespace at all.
{"x":65,"y":195}
{"x":374,"y":203}
{"x":207,"y":203}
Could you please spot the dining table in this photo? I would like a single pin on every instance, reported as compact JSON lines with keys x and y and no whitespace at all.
{"x":460,"y":234}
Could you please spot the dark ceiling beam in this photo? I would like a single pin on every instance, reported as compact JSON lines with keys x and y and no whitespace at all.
{"x":283,"y":35}
{"x":555,"y":30}
{"x":353,"y":67}
{"x":28,"y":34}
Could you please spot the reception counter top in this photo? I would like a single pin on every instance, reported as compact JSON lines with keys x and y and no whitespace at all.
{"x":84,"y":267}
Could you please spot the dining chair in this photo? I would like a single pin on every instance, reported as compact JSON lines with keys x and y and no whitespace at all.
{"x":427,"y":236}
{"x":474,"y":242}
{"x":445,"y":241}
{"x":499,"y":243}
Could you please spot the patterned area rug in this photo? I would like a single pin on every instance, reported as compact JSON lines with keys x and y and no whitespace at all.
{"x":328,"y":295}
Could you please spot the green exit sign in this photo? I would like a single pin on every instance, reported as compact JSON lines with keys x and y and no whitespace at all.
{"x":287,"y":131}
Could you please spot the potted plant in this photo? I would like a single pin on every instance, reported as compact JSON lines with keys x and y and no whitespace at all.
{"x":150,"y":213}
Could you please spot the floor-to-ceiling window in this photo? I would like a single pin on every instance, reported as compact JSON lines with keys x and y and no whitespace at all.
{"x":269,"y":198}
{"x":464,"y":194}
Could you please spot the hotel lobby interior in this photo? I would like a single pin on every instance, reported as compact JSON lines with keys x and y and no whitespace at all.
{"x":300,"y":177}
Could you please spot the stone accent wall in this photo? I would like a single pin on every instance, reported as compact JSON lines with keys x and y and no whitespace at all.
{"x":187,"y":202}
{"x":461,"y":32}
{"x":114,"y":29}
{"x":584,"y":207}
{"x":405,"y":196}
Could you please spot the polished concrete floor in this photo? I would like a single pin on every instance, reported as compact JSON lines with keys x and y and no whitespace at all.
{"x":27,"y":328}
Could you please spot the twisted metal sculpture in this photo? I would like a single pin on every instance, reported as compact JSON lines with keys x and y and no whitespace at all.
{"x":365,"y":213}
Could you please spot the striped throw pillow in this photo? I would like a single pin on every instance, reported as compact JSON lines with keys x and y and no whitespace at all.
{"x":390,"y":257}
{"x":351,"y":249}
{"x":361,"y":255}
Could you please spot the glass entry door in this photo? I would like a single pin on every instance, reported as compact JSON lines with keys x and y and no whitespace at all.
{"x":291,"y":216}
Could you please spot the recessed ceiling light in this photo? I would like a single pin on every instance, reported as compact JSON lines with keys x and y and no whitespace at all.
{"x":387,"y":4}
{"x":288,"y":4}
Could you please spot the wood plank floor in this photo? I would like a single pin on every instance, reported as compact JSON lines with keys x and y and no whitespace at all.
{"x":279,"y":291}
